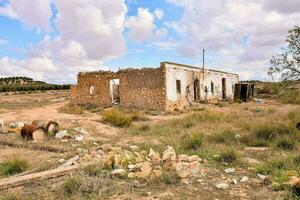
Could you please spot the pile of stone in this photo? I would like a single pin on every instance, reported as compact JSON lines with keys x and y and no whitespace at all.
{"x":133,"y":163}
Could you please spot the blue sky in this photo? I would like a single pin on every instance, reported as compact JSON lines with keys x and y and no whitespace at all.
{"x":52,"y":40}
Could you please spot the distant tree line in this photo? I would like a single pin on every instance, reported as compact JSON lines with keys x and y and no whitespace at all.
{"x":25,"y":84}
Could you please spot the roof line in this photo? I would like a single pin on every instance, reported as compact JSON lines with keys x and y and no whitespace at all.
{"x":190,"y":66}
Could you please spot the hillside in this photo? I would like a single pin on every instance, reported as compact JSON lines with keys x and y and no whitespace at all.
{"x":13,"y":84}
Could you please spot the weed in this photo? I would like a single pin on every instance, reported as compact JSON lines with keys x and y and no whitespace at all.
{"x":94,"y":169}
{"x":225,"y":137}
{"x":13,"y":166}
{"x":229,"y":155}
{"x":138,"y":116}
{"x":117,"y":118}
{"x":71,"y":185}
{"x":71,"y":108}
{"x":170,"y":178}
{"x":286,"y":144}
{"x":192,"y":141}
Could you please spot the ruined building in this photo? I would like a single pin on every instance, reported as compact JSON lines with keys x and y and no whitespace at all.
{"x":168,"y":87}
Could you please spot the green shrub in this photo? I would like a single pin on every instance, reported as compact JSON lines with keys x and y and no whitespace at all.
{"x":271,"y":131}
{"x":192,"y":141}
{"x":229,"y":155}
{"x":71,"y":186}
{"x":138,"y":116}
{"x":71,"y":109}
{"x":223,"y":137}
{"x":117,"y":118}
{"x":286,"y":144}
{"x":94,"y":169}
{"x":170,"y":178}
{"x":13,"y":166}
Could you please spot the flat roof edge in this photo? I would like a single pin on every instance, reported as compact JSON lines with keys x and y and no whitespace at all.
{"x":194,"y":67}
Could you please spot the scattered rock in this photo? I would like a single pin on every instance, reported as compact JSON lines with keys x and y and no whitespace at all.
{"x":234,"y":181}
{"x":1,"y":123}
{"x":169,"y":154}
{"x":238,"y":137}
{"x":134,"y":148}
{"x":183,"y":158}
{"x":194,"y":158}
{"x":61,"y":160}
{"x":156,"y":173}
{"x":261,"y":176}
{"x":294,"y":182}
{"x":81,"y":131}
{"x":130,"y":175}
{"x":244,"y":179}
{"x":256,"y":149}
{"x":185,"y":181}
{"x":118,"y":172}
{"x":106,"y":147}
{"x":251,"y":161}
{"x":63,"y":134}
{"x":229,"y":170}
{"x":144,"y":171}
{"x":222,"y":186}
{"x":185,"y":169}
{"x":12,"y":125}
{"x":79,"y":138}
{"x":3,"y":130}
{"x":154,"y":157}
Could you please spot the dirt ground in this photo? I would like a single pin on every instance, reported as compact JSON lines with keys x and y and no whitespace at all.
{"x":44,"y":106}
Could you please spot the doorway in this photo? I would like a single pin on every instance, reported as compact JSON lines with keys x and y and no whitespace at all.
{"x":223,"y":88}
{"x":196,"y":90}
{"x":114,"y":86}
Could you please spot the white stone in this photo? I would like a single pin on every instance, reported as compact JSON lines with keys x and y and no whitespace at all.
{"x":61,"y":160}
{"x":118,"y":172}
{"x":222,"y":186}
{"x":261,"y":176}
{"x":234,"y":181}
{"x":169,"y":154}
{"x":229,"y":170}
{"x":63,"y":134}
{"x":1,"y":123}
{"x":79,"y":138}
{"x":244,"y":179}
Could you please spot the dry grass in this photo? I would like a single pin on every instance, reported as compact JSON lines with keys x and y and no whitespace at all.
{"x":71,"y":109}
{"x":12,"y":166}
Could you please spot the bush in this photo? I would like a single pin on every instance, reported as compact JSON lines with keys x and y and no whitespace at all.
{"x":94,"y":169}
{"x":286,"y":144}
{"x":13,"y":166}
{"x":224,"y":137}
{"x":117,"y":118}
{"x":192,"y":141}
{"x":271,"y":131}
{"x":71,"y":109}
{"x":170,"y":178}
{"x":229,"y":155}
{"x":291,"y":97}
{"x":71,"y":185}
{"x":138,"y":116}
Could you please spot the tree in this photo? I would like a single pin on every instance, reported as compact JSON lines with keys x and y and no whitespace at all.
{"x":287,"y":64}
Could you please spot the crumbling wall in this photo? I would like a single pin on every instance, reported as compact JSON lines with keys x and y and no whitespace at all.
{"x":140,"y":88}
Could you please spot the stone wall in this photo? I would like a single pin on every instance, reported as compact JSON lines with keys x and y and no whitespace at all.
{"x":140,"y":88}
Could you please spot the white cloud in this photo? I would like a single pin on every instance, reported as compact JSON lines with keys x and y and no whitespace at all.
{"x":159,"y":13}
{"x":34,"y":13}
{"x":89,"y":33}
{"x":2,"y":41}
{"x":166,"y":45}
{"x":142,"y":27}
{"x":252,"y":31}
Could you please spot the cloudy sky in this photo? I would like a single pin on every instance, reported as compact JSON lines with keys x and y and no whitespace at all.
{"x":52,"y":40}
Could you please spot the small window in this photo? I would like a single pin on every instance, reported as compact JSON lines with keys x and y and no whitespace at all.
{"x":212,"y":87}
{"x":178,"y":86}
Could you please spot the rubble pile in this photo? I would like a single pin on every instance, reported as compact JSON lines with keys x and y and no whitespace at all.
{"x":135,"y":163}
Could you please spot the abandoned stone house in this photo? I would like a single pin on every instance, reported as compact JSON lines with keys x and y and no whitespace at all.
{"x":168,"y":87}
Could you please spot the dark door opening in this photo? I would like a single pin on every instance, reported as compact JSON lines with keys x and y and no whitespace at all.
{"x":196,"y":90}
{"x":223,"y":88}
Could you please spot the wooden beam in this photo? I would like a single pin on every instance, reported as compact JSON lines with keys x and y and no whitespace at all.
{"x":21,"y":180}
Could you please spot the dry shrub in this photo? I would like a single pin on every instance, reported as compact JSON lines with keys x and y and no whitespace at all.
{"x":117,"y":118}
{"x":14,"y":165}
{"x":71,"y":108}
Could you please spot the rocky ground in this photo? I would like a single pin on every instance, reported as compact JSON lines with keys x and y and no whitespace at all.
{"x":152,"y":158}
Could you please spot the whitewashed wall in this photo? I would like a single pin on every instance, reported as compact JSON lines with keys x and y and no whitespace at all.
{"x":187,"y":75}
